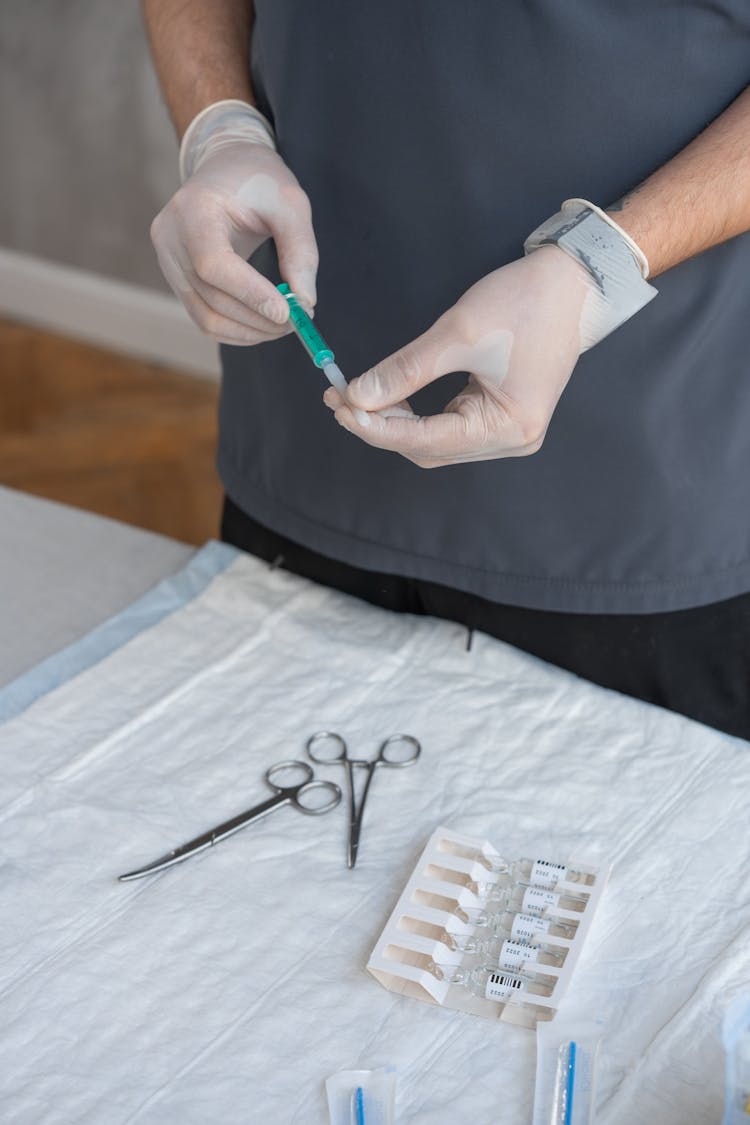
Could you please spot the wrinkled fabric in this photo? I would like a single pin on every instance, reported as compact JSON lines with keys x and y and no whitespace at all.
{"x":228,"y":988}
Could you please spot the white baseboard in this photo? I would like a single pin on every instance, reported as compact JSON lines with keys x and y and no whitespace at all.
{"x":125,"y":318}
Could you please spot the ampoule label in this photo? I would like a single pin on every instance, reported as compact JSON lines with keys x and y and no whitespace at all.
{"x":546,"y":874}
{"x":503,"y":987}
{"x":513,"y":954}
{"x":527,"y":926}
{"x":537,"y":899}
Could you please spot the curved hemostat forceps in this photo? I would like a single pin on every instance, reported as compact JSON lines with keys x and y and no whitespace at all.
{"x":327,"y":748}
{"x":295,"y":794}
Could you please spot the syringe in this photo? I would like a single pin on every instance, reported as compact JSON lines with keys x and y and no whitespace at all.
{"x":322,"y":355}
{"x":312,"y":341}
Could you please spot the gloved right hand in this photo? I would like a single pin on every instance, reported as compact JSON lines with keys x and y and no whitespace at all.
{"x":236,"y":193}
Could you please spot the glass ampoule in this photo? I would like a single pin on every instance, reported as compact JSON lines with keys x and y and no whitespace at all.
{"x":505,"y":952}
{"x":517,"y":923}
{"x":490,"y":983}
{"x":540,"y":872}
{"x":527,"y":897}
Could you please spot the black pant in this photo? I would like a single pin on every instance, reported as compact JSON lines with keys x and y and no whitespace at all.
{"x":694,"y":661}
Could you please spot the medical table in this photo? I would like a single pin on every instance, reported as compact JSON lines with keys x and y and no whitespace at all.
{"x":228,"y":988}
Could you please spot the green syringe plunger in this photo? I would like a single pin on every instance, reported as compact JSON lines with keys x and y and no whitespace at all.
{"x":311,"y":339}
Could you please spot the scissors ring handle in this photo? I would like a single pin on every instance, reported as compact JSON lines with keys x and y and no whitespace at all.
{"x":317,"y":810}
{"x":302,"y":769}
{"x":338,"y":753}
{"x":400,"y":740}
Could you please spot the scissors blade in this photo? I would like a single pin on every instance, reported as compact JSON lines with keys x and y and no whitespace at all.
{"x":206,"y":839}
{"x":176,"y":856}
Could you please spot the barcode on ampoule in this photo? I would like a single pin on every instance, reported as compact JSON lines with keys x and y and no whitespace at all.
{"x":502,"y":987}
{"x":526,"y":926}
{"x":546,"y":874}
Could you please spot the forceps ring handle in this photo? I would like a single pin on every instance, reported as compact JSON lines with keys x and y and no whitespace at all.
{"x":395,"y":739}
{"x":326,"y":736}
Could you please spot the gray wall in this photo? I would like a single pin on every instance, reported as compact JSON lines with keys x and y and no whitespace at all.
{"x":87,"y":152}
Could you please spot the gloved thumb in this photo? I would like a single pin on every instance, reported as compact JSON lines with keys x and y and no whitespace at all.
{"x":403,"y":373}
{"x":297,"y":252}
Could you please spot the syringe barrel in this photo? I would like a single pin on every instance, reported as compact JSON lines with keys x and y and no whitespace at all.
{"x":311,"y":339}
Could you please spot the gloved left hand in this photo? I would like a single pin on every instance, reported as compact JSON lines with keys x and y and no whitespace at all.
{"x":518,"y":332}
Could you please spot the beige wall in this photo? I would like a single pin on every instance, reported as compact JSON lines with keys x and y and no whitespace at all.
{"x":87,"y":153}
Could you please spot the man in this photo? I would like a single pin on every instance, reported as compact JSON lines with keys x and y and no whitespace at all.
{"x":419,"y":146}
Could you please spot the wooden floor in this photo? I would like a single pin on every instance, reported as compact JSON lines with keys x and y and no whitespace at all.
{"x":127,"y":439}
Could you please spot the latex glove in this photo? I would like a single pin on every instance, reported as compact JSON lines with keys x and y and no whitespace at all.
{"x":237,"y":192}
{"x":518,"y":332}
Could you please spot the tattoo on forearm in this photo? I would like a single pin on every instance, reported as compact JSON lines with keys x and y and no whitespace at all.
{"x":622,"y":202}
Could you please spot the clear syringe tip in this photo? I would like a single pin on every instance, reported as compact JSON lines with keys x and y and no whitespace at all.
{"x":335,"y":376}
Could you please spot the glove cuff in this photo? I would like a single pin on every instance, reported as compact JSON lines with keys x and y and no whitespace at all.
{"x":616,"y":264}
{"x":219,"y":123}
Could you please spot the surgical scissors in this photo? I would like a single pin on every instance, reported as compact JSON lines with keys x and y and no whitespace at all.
{"x":283,"y":795}
{"x":386,"y":756}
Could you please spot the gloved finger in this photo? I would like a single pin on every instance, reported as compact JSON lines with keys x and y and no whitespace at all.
{"x":233,"y":310}
{"x":418,"y":439}
{"x":392,"y":380}
{"x":178,"y":271}
{"x":173,"y":271}
{"x":510,"y":429}
{"x":296,"y":249}
{"x":215,"y":262}
{"x":218,"y":327}
{"x":209,"y":320}
{"x":333,"y":399}
{"x":471,"y":428}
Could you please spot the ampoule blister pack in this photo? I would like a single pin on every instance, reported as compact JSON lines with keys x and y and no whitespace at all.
{"x":488,"y":934}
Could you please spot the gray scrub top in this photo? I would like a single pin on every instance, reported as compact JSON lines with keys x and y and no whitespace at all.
{"x":432,"y":136}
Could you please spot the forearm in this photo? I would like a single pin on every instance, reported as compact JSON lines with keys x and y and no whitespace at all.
{"x":200,"y":51}
{"x":698,"y":199}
